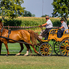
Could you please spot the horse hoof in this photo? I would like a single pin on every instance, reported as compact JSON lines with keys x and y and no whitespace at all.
{"x":17,"y":54}
{"x":25,"y":55}
{"x":38,"y":53}
{"x":6,"y":55}
{"x":30,"y":54}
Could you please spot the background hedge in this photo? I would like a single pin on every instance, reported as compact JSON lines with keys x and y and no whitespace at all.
{"x":31,"y":21}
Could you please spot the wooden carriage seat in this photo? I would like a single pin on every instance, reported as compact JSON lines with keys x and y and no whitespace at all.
{"x":53,"y":31}
{"x":66,"y":31}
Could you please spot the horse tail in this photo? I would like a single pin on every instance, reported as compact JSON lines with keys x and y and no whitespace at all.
{"x":34,"y":37}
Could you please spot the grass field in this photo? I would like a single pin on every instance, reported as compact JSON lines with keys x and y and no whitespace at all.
{"x":30,"y":62}
{"x":34,"y":62}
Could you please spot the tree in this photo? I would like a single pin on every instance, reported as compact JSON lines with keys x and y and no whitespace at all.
{"x":33,"y":15}
{"x":44,"y":15}
{"x":28,"y":14}
{"x":61,"y":8}
{"x":11,"y":8}
{"x":0,"y":13}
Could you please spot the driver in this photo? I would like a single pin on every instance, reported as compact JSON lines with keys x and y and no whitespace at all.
{"x":48,"y":26}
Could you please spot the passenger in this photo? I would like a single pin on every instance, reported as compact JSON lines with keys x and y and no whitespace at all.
{"x":62,"y":28}
{"x":48,"y":26}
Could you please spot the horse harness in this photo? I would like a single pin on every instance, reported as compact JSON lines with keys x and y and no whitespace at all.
{"x":9,"y":32}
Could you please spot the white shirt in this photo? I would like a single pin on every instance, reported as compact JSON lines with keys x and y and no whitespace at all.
{"x":64,"y":26}
{"x":49,"y":24}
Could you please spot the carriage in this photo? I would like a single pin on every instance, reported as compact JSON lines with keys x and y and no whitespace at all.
{"x":60,"y":45}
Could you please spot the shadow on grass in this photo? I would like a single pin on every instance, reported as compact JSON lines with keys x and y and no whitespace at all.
{"x":28,"y":55}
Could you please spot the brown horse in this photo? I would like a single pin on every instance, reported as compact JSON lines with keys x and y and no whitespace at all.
{"x":17,"y":35}
{"x":34,"y":39}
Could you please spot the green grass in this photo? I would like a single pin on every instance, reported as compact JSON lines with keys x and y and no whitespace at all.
{"x":34,"y":62}
{"x":30,"y":62}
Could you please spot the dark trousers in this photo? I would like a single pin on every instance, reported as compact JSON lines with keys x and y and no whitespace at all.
{"x":60,"y":33}
{"x":46,"y":33}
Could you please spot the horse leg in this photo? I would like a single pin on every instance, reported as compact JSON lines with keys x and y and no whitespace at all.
{"x":20,"y":50}
{"x":32,"y":46}
{"x":0,"y":47}
{"x":28,"y":48}
{"x":35,"y":49}
{"x":6,"y":48}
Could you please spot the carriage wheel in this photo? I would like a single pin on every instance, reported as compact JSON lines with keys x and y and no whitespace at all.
{"x":64,"y":47}
{"x":56,"y":48}
{"x":45,"y":49}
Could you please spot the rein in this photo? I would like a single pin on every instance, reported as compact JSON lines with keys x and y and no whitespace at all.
{"x":13,"y":40}
{"x":23,"y":27}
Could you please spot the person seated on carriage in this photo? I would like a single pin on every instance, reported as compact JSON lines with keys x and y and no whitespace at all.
{"x":48,"y":26}
{"x":62,"y":28}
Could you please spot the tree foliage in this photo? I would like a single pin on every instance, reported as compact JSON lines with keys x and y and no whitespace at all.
{"x":61,"y":8}
{"x":11,"y":8}
{"x":44,"y":15}
{"x":28,"y":14}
